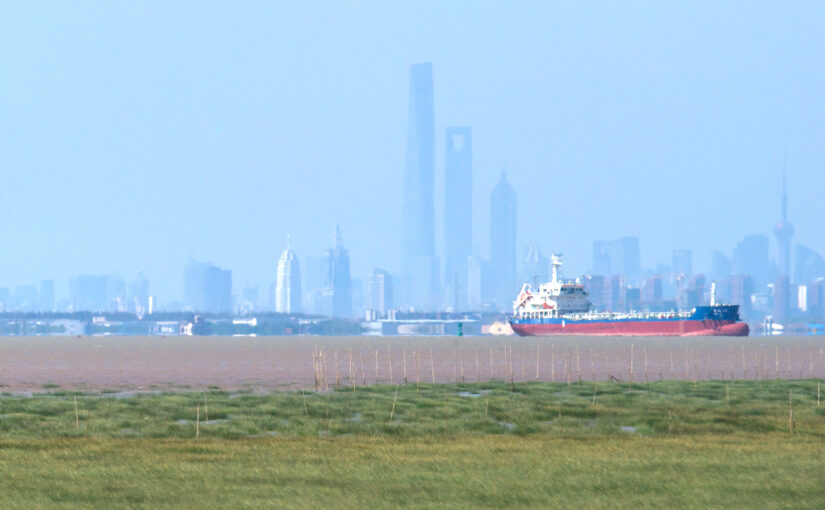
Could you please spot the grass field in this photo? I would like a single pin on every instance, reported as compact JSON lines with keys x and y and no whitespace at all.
{"x":710,"y":444}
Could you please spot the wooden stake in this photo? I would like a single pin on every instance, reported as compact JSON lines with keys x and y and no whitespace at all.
{"x":76,"y":417}
{"x":206,"y":406}
{"x":351,"y":378}
{"x":744,"y":368}
{"x":306,"y":411}
{"x":432,"y":365}
{"x":790,"y":411}
{"x":632,"y":345}
{"x":523,"y":378}
{"x":491,"y":363}
{"x":647,"y":381}
{"x":671,"y":363}
{"x":376,"y":366}
{"x":592,"y":367}
{"x":461,"y":363}
{"x":337,"y":378}
{"x":394,"y":399}
{"x":404,"y":354}
{"x":417,"y":370}
{"x":478,"y":374}
{"x":578,"y":367}
{"x":389,"y":355}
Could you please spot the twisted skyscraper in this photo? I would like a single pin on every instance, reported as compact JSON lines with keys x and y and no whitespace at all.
{"x":419,"y":266}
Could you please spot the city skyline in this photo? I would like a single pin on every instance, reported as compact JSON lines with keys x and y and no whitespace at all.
{"x":136,"y":165}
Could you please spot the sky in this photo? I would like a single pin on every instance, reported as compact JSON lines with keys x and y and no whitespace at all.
{"x":137,"y":135}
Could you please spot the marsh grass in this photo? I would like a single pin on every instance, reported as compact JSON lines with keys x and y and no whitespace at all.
{"x":649,"y":409}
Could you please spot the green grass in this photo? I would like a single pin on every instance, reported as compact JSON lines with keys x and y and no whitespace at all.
{"x":672,"y":444}
{"x":660,"y":409}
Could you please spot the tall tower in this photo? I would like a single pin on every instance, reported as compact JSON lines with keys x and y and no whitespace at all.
{"x":458,"y":207}
{"x":288,"y":284}
{"x":503,"y":242}
{"x":784,"y":232}
{"x":419,"y":267}
{"x":337,"y":282}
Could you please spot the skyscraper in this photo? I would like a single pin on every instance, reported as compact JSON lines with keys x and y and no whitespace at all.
{"x":619,"y":257}
{"x":808,"y":265}
{"x":751,"y":257}
{"x":207,"y":288}
{"x":503,"y":210}
{"x":784,"y":232}
{"x":381,"y":291}
{"x":682,"y":263}
{"x":288,"y":283}
{"x":458,"y":218}
{"x":337,"y":289}
{"x":419,"y":267}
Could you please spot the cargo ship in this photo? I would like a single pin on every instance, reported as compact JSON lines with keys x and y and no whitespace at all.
{"x":563,"y":308}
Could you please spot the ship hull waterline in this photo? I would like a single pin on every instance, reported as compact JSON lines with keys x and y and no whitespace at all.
{"x":631,"y":328}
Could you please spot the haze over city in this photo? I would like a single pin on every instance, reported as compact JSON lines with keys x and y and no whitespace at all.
{"x":139,"y":137}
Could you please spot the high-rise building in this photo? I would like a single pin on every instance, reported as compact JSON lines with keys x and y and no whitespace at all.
{"x":138,"y":295}
{"x":381,"y":298}
{"x":536,"y":267}
{"x":89,"y":293}
{"x":207,"y":288}
{"x":781,"y":297}
{"x":784,"y":232}
{"x":751,"y":257}
{"x":419,"y":266}
{"x":479,"y":283}
{"x":503,"y":209}
{"x":653,"y":294}
{"x":337,"y":285}
{"x":741,"y":288}
{"x":619,"y":257}
{"x":458,"y":217}
{"x":594,"y":286}
{"x":808,"y":265}
{"x":46,"y":296}
{"x":682,"y":263}
{"x":217,"y":290}
{"x":288,"y":283}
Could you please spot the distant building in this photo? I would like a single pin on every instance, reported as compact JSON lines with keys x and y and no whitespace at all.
{"x":612,"y":294}
{"x":784,"y":232}
{"x":620,"y":257}
{"x":808,"y":265}
{"x":536,"y":267}
{"x":751,"y":256}
{"x":337,"y":285}
{"x":741,"y":289}
{"x":381,"y":292}
{"x":781,"y":297}
{"x":419,"y":265}
{"x":458,"y":212}
{"x":89,"y":293}
{"x":138,"y":295}
{"x":816,"y":298}
{"x":594,"y":286}
{"x":682,"y":263}
{"x":288,"y":282}
{"x":207,"y":288}
{"x":653,"y":295}
{"x":503,"y":209}
{"x":217,"y":290}
{"x":46,"y":296}
{"x":479,"y":283}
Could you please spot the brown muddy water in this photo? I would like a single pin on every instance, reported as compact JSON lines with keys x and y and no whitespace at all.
{"x":266,"y":363}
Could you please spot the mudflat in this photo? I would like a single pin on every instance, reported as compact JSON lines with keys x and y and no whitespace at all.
{"x":264,"y":363}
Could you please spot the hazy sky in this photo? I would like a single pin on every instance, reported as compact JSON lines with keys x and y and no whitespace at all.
{"x":134,"y":135}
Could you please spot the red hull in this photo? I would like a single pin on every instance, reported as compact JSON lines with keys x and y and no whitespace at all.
{"x":636,"y":328}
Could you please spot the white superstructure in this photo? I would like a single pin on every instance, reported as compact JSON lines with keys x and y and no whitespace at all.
{"x":552,"y":299}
